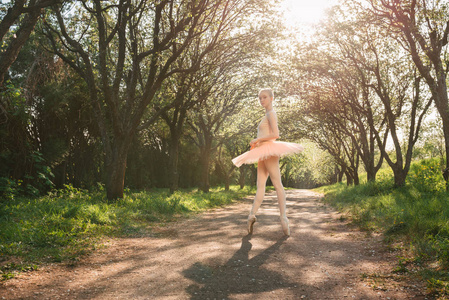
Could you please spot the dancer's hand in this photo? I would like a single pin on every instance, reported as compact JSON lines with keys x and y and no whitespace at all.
{"x":254,"y":143}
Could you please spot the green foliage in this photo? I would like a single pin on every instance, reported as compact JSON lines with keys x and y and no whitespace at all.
{"x":42,"y":178}
{"x":12,"y":269}
{"x":416,"y":213}
{"x":427,"y":176}
{"x":9,"y":188}
{"x":437,"y":283}
{"x":17,"y":101}
{"x":311,"y":168}
{"x":37,"y":181}
{"x":70,"y":222}
{"x":47,"y":126}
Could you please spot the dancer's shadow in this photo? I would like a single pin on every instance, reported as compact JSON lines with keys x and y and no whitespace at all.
{"x":239,"y":275}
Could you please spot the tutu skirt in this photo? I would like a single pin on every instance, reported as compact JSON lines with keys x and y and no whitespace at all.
{"x":266,"y":150}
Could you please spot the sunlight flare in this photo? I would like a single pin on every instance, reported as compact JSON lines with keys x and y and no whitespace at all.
{"x":305,"y":12}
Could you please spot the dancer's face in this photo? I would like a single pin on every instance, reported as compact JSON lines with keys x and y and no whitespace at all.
{"x":265,"y":99}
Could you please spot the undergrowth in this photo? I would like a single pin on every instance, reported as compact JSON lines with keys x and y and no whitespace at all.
{"x":71,"y":222}
{"x":415,"y":215}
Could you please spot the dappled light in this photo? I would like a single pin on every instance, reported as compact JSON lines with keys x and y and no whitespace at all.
{"x":211,"y":256}
{"x":119,"y":119}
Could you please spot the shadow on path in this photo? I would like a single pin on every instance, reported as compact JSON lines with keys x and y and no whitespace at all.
{"x":210,"y":257}
{"x":239,"y":275}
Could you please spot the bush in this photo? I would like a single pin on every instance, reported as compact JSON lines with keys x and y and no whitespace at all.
{"x":8,"y":188}
{"x":33,"y":184}
{"x":427,"y":176}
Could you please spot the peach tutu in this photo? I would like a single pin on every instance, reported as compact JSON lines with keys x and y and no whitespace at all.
{"x":265,"y":150}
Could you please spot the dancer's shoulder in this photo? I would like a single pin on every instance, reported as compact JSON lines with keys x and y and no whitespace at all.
{"x":271,"y":114}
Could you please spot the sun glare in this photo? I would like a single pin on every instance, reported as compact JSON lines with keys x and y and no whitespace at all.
{"x":305,"y":12}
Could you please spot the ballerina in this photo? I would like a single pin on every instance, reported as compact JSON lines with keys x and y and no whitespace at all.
{"x":266,"y":151}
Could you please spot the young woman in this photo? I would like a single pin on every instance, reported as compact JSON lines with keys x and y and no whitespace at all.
{"x":266,"y":152}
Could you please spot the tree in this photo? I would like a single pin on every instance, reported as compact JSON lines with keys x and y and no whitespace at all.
{"x":224,"y":166}
{"x":16,"y":26}
{"x":181,"y":89}
{"x":422,"y":29}
{"x":224,"y":99}
{"x":232,"y":50}
{"x":124,"y":51}
{"x":334,"y":90}
{"x":50,"y":128}
{"x":365,"y":88}
{"x":327,"y":136}
{"x":326,"y":118}
{"x":389,"y":74}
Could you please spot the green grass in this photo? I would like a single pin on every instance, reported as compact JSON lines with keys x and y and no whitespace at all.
{"x":416,"y":215}
{"x":69,"y":223}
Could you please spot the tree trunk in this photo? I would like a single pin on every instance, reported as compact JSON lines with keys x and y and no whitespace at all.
{"x":349,"y":179}
{"x":173,"y":163}
{"x":205,"y":162}
{"x":60,"y":174}
{"x":371,"y":174}
{"x":242,"y":172}
{"x":370,"y":167}
{"x":227,"y":183}
{"x":9,"y":55}
{"x":352,"y":176}
{"x":340,"y":174}
{"x":367,"y":149}
{"x":115,"y":169}
{"x":356,"y":178}
{"x":228,"y":175}
{"x":399,"y":177}
{"x":445,"y":119}
{"x":355,"y":169}
{"x":446,"y":144}
{"x":287,"y":176}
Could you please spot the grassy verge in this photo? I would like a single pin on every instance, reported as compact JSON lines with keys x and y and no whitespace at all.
{"x":69,"y":223}
{"x":413,"y":219}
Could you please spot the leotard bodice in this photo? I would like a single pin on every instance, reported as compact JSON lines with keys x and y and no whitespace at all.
{"x":264,"y":128}
{"x":268,"y":147}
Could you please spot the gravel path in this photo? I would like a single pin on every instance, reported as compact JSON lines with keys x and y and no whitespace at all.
{"x":210,"y":256}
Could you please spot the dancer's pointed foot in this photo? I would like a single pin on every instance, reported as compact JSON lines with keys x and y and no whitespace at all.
{"x":251,"y":220}
{"x":285,"y":226}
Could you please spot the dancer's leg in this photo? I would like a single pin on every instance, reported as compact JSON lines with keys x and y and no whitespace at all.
{"x":272,"y":166}
{"x":262,"y":175}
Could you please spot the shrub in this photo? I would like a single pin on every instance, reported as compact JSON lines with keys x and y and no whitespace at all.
{"x":426,"y":176}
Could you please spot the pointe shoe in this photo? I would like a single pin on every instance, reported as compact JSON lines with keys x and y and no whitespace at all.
{"x":251,"y":221}
{"x":285,"y":226}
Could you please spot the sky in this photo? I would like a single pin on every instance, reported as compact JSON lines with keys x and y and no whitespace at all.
{"x":305,"y":12}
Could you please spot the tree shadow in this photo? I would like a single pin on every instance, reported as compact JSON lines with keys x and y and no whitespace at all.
{"x":239,"y":275}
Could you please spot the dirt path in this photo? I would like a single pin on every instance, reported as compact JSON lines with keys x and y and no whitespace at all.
{"x":210,"y":256}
